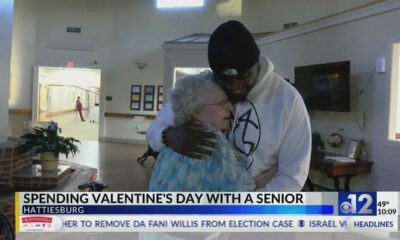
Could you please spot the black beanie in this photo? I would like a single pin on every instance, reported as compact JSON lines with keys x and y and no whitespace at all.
{"x":232,"y":49}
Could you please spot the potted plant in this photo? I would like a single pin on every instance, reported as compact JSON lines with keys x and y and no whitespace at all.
{"x":47,"y":142}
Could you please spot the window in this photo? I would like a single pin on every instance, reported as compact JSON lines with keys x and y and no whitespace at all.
{"x":179,"y":3}
{"x":394,"y":111}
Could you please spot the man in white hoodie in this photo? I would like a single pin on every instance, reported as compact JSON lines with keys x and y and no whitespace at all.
{"x":270,"y":131}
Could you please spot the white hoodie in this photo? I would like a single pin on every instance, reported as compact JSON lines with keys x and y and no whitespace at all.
{"x":270,"y":128}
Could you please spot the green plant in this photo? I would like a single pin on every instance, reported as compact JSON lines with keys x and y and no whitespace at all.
{"x":47,"y":139}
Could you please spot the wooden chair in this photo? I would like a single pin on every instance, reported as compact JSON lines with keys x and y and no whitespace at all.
{"x":149,"y":153}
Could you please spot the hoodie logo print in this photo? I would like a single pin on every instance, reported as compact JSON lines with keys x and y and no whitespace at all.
{"x":246,"y":135}
{"x":230,"y":72}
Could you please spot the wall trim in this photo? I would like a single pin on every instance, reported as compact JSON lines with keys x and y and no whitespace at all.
{"x":20,"y":111}
{"x":71,"y":46}
{"x":128,"y":115}
{"x":185,"y":46}
{"x":370,"y":10}
{"x":85,"y":89}
{"x":353,"y":14}
{"x":122,"y":140}
{"x":62,"y":112}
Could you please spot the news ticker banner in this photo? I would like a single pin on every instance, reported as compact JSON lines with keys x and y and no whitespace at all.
{"x":206,"y":212}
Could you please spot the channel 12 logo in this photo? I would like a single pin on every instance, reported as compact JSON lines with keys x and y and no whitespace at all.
{"x":357,"y":203}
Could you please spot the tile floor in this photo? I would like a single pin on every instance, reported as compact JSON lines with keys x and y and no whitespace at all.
{"x":117,"y":164}
{"x":80,"y":130}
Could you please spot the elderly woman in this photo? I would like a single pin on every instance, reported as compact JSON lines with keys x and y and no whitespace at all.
{"x":198,"y":98}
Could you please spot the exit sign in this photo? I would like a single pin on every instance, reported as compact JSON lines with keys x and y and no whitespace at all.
{"x":70,"y":64}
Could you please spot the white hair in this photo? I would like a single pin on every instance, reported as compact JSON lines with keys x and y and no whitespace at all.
{"x":189,"y":94}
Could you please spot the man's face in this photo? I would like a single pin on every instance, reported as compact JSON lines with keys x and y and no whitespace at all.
{"x":238,"y":87}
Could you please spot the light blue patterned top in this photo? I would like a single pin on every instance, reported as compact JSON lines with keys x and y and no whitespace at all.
{"x":219,"y":173}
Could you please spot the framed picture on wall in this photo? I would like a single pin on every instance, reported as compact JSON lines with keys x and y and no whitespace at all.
{"x":160,"y":97}
{"x":136,"y":93}
{"x":353,"y":149}
{"x":149,"y":98}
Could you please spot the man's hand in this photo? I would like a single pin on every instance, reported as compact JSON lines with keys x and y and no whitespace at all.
{"x":265,"y":177}
{"x":191,"y":139}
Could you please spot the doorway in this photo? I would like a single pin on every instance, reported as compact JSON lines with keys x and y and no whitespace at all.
{"x":55,"y":98}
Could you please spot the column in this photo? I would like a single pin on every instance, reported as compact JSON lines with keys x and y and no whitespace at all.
{"x":6,"y":16}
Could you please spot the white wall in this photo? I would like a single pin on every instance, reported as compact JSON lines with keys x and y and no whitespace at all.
{"x":361,"y":42}
{"x":64,"y":97}
{"x":23,"y":53}
{"x":125,"y":130}
{"x":84,"y":78}
{"x":119,"y":33}
{"x":6,"y":18}
{"x":22,"y":59}
{"x":61,"y":98}
{"x":271,"y":14}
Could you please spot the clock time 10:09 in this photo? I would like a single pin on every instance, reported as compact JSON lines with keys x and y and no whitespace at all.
{"x":390,"y":211}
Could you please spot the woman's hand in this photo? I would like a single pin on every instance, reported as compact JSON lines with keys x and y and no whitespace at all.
{"x":191,"y":139}
{"x":265,"y":176}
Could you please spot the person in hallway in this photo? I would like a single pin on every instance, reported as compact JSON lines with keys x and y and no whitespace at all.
{"x":198,"y":98}
{"x":270,"y":131}
{"x":79,"y":108}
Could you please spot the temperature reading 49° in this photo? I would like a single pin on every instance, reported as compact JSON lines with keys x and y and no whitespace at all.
{"x":382,"y":204}
{"x":384,"y":208}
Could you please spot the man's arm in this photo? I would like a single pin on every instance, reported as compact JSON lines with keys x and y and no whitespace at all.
{"x":190,"y":139}
{"x":295,"y":152}
{"x":265,"y":177}
{"x":164,"y":119}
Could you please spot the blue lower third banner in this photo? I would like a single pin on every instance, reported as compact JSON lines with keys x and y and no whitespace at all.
{"x":180,"y":209}
{"x":207,"y":212}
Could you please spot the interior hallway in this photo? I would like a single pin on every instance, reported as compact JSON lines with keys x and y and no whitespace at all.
{"x":116,"y":164}
{"x":80,"y":130}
